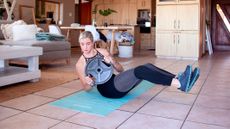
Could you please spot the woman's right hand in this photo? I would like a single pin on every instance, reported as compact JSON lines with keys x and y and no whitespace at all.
{"x":89,"y":80}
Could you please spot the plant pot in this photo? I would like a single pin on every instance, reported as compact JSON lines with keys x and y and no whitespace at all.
{"x":125,"y":51}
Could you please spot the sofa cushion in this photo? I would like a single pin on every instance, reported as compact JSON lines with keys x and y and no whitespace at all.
{"x":7,"y":29}
{"x":24,"y":32}
{"x":46,"y":45}
{"x":2,"y":22}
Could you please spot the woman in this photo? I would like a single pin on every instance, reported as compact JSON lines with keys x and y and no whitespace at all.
{"x":118,"y":86}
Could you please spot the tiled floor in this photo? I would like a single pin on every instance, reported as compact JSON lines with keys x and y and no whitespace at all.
{"x":207,"y":106}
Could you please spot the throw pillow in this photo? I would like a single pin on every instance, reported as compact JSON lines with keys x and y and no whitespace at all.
{"x":7,"y":29}
{"x":24,"y":32}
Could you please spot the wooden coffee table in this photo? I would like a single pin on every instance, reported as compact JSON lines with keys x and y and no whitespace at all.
{"x":14,"y":74}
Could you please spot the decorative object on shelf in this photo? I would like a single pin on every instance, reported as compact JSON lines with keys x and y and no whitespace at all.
{"x":6,"y":6}
{"x":106,"y":13}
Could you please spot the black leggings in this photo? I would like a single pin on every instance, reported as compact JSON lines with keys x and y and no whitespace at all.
{"x":147,"y":72}
{"x":153,"y":74}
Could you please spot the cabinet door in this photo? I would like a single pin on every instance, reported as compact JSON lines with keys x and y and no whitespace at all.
{"x":108,"y":1}
{"x":185,"y":22}
{"x":165,"y":44}
{"x":99,"y":18}
{"x":132,"y":1}
{"x":108,"y":19}
{"x":132,"y":14}
{"x":124,"y":14}
{"x":144,"y":4}
{"x":166,"y":17}
{"x":177,"y":1}
{"x":188,"y":1}
{"x":187,"y":44}
{"x":116,"y":17}
{"x":166,"y":1}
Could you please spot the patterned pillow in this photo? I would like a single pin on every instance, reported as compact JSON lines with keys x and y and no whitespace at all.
{"x":7,"y":29}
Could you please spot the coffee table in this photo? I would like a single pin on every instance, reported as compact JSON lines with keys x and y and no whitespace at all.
{"x":14,"y":74}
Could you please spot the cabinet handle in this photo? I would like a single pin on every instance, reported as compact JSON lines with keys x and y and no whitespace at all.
{"x":174,"y":39}
{"x":178,"y":36}
{"x":174,"y":24}
{"x":178,"y":24}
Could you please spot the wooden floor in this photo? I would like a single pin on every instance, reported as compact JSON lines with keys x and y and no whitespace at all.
{"x":207,"y":106}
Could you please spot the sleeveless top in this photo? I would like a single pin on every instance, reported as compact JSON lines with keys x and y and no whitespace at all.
{"x":98,"y":54}
{"x":116,"y":86}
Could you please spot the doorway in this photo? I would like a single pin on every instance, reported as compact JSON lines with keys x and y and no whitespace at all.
{"x":220,"y":24}
{"x":83,"y":13}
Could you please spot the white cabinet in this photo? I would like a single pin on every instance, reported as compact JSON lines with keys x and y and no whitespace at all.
{"x":187,"y":17}
{"x":165,"y":44}
{"x":187,"y":44}
{"x":166,"y":17}
{"x":177,"y":44}
{"x":177,"y":30}
{"x":175,"y":17}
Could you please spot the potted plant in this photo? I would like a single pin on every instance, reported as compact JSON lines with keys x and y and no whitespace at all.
{"x":105,"y":13}
{"x":125,"y":46}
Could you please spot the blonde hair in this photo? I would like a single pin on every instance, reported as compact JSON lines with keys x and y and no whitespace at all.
{"x":84,"y":35}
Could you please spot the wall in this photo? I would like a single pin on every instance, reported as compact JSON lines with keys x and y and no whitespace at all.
{"x":68,"y":9}
{"x":69,"y":12}
{"x":26,"y":12}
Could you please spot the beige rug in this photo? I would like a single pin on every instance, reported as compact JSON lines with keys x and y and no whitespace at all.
{"x":49,"y":78}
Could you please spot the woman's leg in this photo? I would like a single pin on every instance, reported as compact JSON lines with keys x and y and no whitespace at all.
{"x":151,"y":66}
{"x":154,"y":74}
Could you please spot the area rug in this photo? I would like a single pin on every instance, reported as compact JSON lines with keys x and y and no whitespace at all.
{"x":92,"y":102}
{"x":49,"y":79}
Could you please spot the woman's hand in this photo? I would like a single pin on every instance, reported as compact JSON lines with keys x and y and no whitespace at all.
{"x":90,"y":80}
{"x":109,"y":59}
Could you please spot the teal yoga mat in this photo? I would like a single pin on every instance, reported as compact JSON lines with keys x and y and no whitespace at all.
{"x":92,"y":102}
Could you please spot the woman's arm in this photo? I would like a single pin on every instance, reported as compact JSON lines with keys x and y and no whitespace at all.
{"x":119,"y":68}
{"x":86,"y":81}
{"x":110,"y":59}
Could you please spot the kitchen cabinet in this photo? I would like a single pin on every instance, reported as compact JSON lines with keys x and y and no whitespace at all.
{"x":177,"y":44}
{"x":177,"y":34}
{"x":148,"y":39}
{"x":144,"y":4}
{"x":177,"y":1}
{"x":126,"y":11}
{"x":171,"y":17}
{"x":97,"y":17}
{"x":129,"y":14}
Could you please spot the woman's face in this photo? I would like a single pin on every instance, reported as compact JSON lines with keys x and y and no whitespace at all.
{"x":86,"y":45}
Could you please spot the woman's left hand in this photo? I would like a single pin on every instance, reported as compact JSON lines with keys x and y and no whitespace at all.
{"x":108,"y":59}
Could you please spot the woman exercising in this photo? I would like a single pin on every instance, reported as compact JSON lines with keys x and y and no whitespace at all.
{"x":119,"y":85}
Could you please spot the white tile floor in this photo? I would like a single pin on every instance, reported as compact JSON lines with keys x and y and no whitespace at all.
{"x":207,"y":106}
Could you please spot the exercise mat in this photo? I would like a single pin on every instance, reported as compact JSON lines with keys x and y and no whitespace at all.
{"x":92,"y":102}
